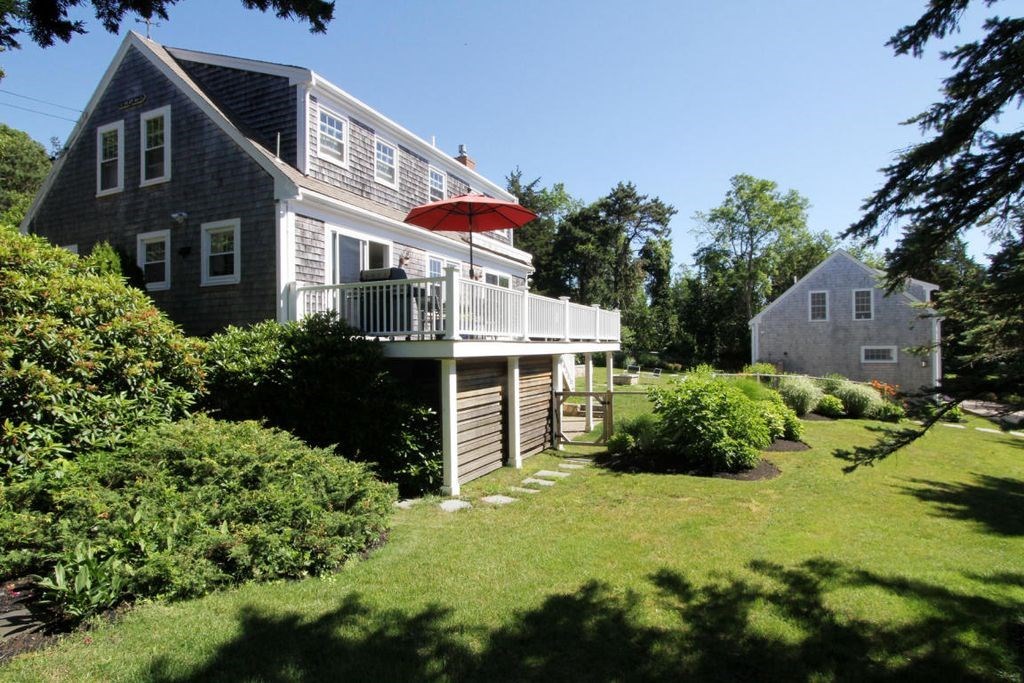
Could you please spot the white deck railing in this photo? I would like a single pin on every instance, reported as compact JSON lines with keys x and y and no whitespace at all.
{"x":450,"y":307}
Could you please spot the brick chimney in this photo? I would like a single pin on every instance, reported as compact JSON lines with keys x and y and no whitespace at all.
{"x":464,"y":158}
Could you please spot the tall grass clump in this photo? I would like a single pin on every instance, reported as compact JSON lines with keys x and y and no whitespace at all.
{"x":799,"y":393}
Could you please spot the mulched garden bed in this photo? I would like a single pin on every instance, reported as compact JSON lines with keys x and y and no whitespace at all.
{"x":764,"y":470}
{"x":787,"y":446}
{"x":814,"y":417}
{"x":29,"y":633}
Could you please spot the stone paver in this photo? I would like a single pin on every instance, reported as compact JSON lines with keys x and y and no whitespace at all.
{"x":407,"y":503}
{"x":498,"y":500}
{"x":952,"y":426}
{"x":987,"y":430}
{"x":580,"y":461}
{"x":539,"y":482}
{"x":1019,"y":434}
{"x":454,"y":505}
{"x":18,"y":621}
{"x":520,"y":489}
{"x":571,"y":466}
{"x":551,"y":473}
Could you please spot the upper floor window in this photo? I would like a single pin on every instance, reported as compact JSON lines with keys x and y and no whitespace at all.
{"x":152,"y":256}
{"x":385,"y":167}
{"x":333,"y":137}
{"x":110,"y":158}
{"x":221,"y":246}
{"x":438,"y":184}
{"x":155,"y":133}
{"x":818,"y":306}
{"x":863,"y":304}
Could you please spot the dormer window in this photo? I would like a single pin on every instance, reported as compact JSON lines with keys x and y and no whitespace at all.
{"x":438,"y":181}
{"x":155,"y":134}
{"x":110,"y":158}
{"x":385,"y":167}
{"x":333,"y":137}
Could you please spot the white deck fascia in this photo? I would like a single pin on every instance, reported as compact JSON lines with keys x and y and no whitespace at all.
{"x":468,"y":348}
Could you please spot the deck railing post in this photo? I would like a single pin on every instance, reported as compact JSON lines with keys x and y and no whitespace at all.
{"x":451,"y":304}
{"x":597,"y":321}
{"x":293,"y":301}
{"x":565,"y":317}
{"x":526,"y":313}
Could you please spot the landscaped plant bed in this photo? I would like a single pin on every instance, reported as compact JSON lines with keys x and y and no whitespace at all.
{"x":787,"y":446}
{"x":764,"y":470}
{"x":814,"y":417}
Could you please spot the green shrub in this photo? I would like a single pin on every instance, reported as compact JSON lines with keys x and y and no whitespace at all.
{"x":888,"y":411}
{"x":753,"y":389}
{"x":799,"y":393}
{"x":783,"y":422}
{"x":187,"y":507}
{"x":831,"y":382}
{"x":322,"y":381}
{"x":621,"y":443}
{"x":830,"y":406}
{"x":708,"y":425}
{"x":104,"y":260}
{"x":83,"y":358}
{"x":82,"y":584}
{"x":858,"y":400}
{"x":760,"y":369}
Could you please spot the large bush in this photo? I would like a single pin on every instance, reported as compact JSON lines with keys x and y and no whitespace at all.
{"x":83,"y":358}
{"x":799,"y":393}
{"x":183,"y":508}
{"x":322,"y":381}
{"x":858,"y":399}
{"x":709,"y":425}
{"x":830,"y":406}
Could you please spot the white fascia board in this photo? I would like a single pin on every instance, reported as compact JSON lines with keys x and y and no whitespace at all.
{"x":330,"y":210}
{"x":76,"y":131}
{"x":404,"y":136}
{"x":294,"y":74}
{"x":468,"y":348}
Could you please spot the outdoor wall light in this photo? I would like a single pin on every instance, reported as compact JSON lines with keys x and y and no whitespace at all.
{"x":179,"y":217}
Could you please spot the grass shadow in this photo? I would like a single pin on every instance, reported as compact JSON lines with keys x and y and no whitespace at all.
{"x":889,"y":441}
{"x":715,"y":631}
{"x":994,"y":503}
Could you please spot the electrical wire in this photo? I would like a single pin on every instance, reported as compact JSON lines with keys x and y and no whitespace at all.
{"x":36,"y":99}
{"x":36,"y":111}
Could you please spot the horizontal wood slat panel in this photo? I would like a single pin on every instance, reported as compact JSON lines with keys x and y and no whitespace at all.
{"x":481,"y":417}
{"x":534,"y":404}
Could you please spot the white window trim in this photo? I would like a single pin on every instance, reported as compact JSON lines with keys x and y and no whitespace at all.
{"x":364,"y":248}
{"x":119,"y":127}
{"x":445,"y":263}
{"x":498,"y":275}
{"x":853,"y":304}
{"x":379,"y":140}
{"x":810,"y":298}
{"x":444,"y":184}
{"x":326,"y":154}
{"x":140,"y":256}
{"x":206,"y":280}
{"x":894,"y":349}
{"x":73,"y":248}
{"x":164,"y":112}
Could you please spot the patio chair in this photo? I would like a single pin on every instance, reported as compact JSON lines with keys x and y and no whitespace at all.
{"x":656,"y":373}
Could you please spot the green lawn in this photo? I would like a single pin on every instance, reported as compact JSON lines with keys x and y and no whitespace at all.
{"x":910,"y":569}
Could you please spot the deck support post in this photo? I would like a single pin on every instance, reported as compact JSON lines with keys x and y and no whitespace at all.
{"x":515,"y":454}
{"x":588,"y":369}
{"x":556,"y":405}
{"x":609,"y":363}
{"x":450,"y":426}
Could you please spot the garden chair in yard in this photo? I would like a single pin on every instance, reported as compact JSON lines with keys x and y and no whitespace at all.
{"x":633,"y":369}
{"x":656,"y":373}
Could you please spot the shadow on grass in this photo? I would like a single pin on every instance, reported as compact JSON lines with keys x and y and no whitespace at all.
{"x":889,"y":441}
{"x":772,"y":623}
{"x":996,"y":503}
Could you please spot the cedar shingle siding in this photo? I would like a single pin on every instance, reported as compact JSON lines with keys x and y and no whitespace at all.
{"x":211,"y":179}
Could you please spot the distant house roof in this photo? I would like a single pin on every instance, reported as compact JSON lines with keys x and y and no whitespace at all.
{"x":838,"y":254}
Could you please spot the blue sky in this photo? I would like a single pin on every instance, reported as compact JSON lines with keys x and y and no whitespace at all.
{"x":674,"y":96}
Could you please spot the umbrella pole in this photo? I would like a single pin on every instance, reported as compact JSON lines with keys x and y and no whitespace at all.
{"x":472,"y":274}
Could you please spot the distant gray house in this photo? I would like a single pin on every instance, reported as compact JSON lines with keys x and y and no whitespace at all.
{"x":247,"y":190}
{"x":839,"y":319}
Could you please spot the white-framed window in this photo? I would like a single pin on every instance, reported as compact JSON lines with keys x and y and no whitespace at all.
{"x":385,"y":163}
{"x":351,"y":253}
{"x":436,"y":266}
{"x":155,"y":146}
{"x":497,"y":279}
{"x":73,"y":248}
{"x":863,"y":304}
{"x":437,"y":181}
{"x":333,"y":137}
{"x":110,"y":158}
{"x":221,"y":250}
{"x":153,"y":256}
{"x":878,"y":354}
{"x":817,"y":306}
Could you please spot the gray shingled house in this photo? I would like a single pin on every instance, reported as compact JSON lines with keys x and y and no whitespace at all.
{"x":248,"y":191}
{"x":839,"y":319}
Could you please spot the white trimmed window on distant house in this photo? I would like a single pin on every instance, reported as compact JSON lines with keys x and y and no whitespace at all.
{"x":221,"y":251}
{"x":385,"y":166}
{"x":436,"y":266}
{"x":438,"y":184}
{"x":878,"y":354}
{"x":497,"y":279}
{"x":155,"y":140}
{"x":817,"y":304}
{"x":110,"y":158}
{"x":333,"y":137}
{"x":153,"y":258}
{"x":863,"y":304}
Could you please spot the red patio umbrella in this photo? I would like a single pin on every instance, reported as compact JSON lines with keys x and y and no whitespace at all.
{"x":470,"y":213}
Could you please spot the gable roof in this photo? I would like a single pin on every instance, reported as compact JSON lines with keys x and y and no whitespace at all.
{"x":835,"y":255}
{"x":288,"y":180}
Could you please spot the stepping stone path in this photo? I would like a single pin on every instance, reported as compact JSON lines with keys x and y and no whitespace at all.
{"x":541,"y":482}
{"x":406,"y":504}
{"x":550,"y":473}
{"x":454,"y":505}
{"x":953,"y":426}
{"x":1019,"y":434}
{"x":989,"y":431}
{"x":571,"y":466}
{"x":498,"y":500}
{"x":520,"y":489}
